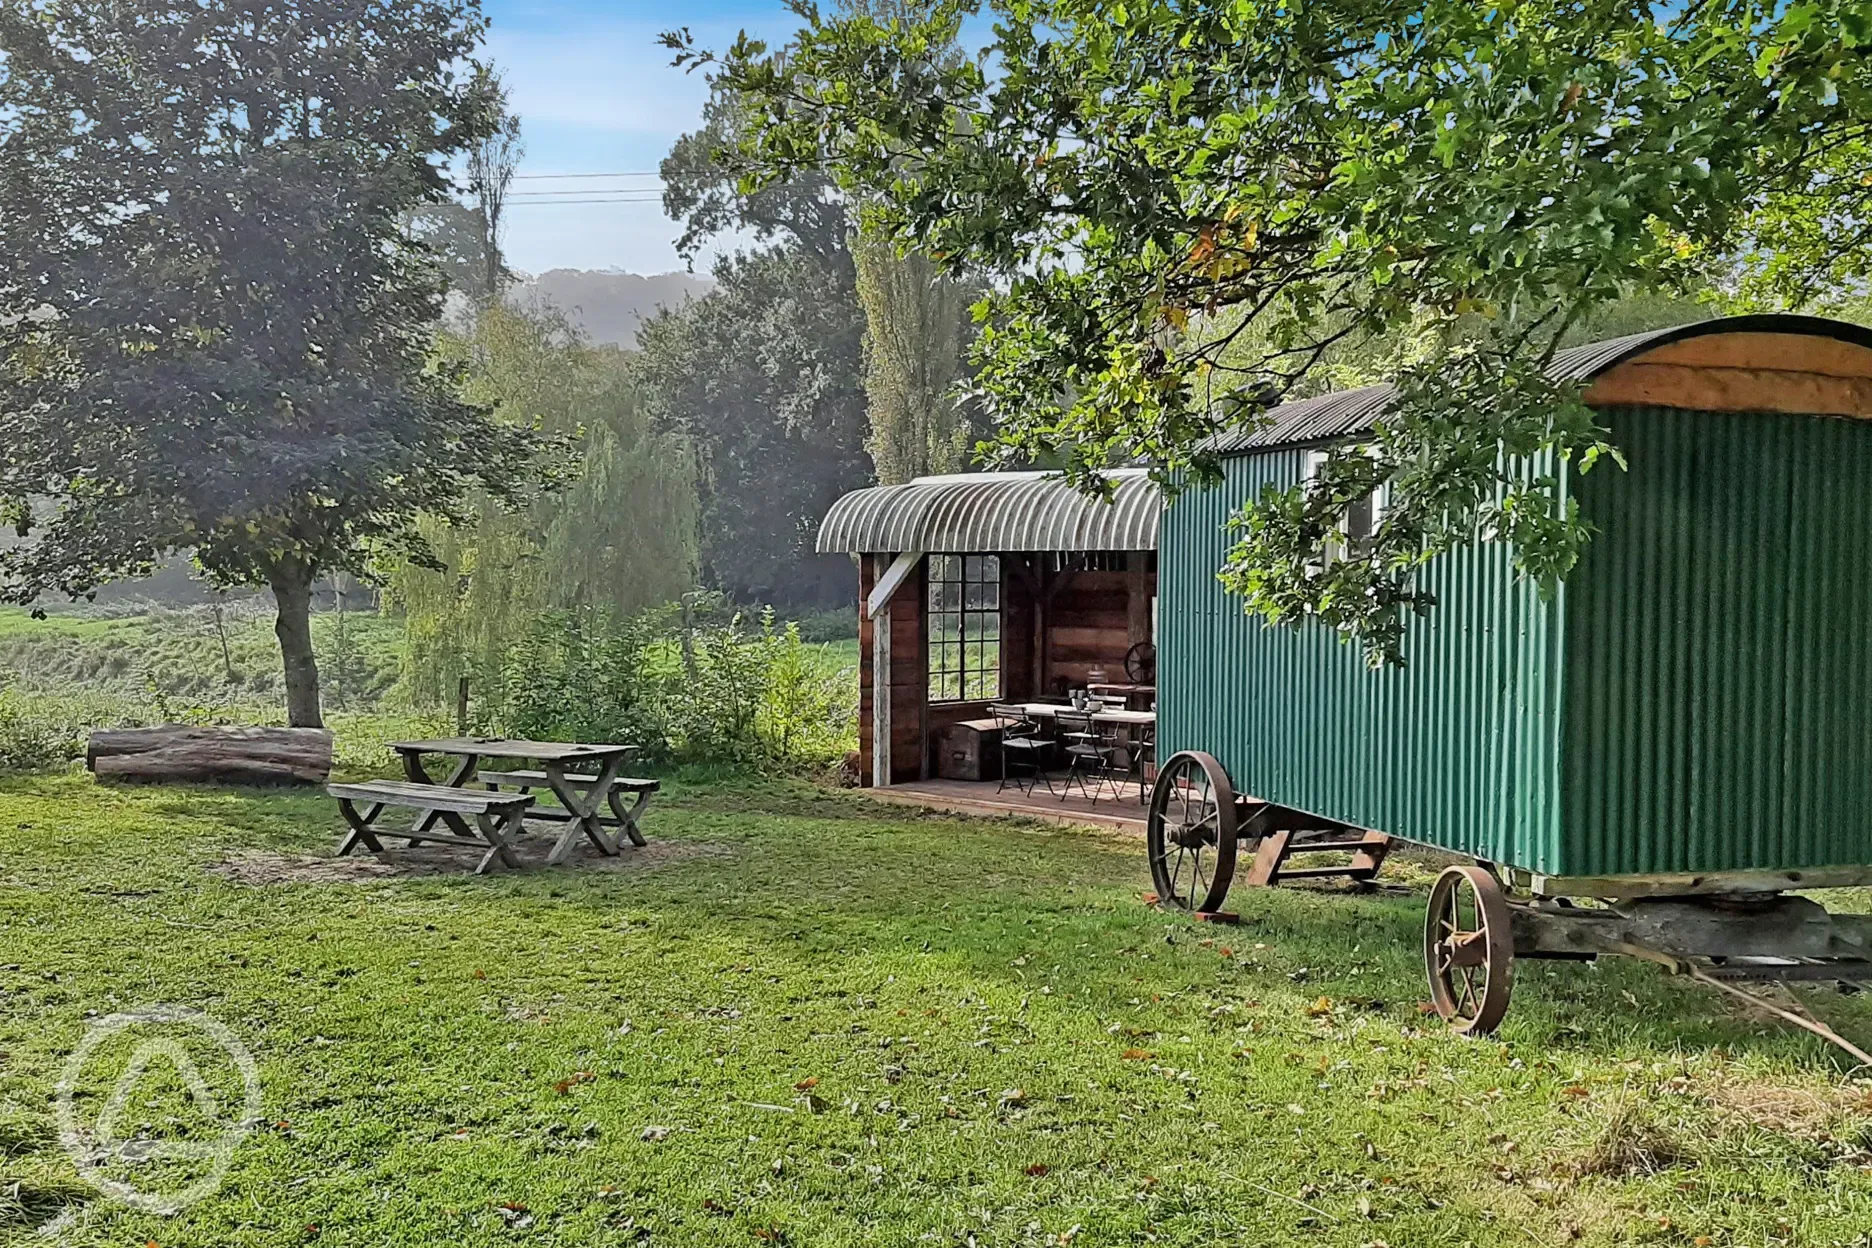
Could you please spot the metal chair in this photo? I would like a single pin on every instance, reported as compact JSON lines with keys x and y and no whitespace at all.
{"x":1085,"y":752}
{"x":1022,"y":744}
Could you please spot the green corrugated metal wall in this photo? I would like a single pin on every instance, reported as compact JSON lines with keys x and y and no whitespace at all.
{"x":1719,"y":689}
{"x":1698,"y":698}
{"x":1456,"y":750}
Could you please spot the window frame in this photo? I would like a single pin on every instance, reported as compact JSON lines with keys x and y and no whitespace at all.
{"x":1354,"y":531}
{"x":962,"y":642}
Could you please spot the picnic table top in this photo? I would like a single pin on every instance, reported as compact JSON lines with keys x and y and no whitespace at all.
{"x":505,"y":747}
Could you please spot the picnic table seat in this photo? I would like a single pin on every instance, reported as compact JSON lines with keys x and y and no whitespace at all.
{"x":498,"y":816}
{"x":621,"y":816}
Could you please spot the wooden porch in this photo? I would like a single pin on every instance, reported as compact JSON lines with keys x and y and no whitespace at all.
{"x":967,"y":797}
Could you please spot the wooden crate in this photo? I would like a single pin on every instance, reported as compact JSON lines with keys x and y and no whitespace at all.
{"x":969,"y":750}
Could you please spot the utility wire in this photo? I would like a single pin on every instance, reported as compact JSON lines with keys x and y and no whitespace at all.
{"x":587,"y":190}
{"x":542,"y":177}
{"x":549,"y":203}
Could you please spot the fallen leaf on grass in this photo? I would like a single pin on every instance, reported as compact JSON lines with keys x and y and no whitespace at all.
{"x":1138,"y":1055}
{"x":479,"y":973}
{"x":653,"y":1134}
{"x":515,"y":1214}
{"x":1150,"y":899}
{"x":1014,"y":1096}
{"x":807,"y":1084}
{"x":1320,"y":1008}
{"x":565,"y":1086}
{"x":772,"y":1234}
{"x":1039,"y":1170}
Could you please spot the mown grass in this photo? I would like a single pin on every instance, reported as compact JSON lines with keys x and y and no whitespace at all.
{"x":169,"y":659}
{"x":836,"y":1023}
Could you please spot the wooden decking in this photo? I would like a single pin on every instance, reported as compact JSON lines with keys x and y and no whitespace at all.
{"x":970,"y":798}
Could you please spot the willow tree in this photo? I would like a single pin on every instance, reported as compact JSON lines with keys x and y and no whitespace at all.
{"x":214,"y":331}
{"x":620,"y":536}
{"x":1153,"y":188}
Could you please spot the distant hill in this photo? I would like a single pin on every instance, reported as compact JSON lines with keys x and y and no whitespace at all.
{"x":609,"y":305}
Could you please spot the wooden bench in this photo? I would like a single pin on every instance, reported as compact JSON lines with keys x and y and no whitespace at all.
{"x":621,"y":816}
{"x":497,"y":815}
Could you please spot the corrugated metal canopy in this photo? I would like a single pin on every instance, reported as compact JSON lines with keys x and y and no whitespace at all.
{"x":994,"y":511}
{"x":1348,"y":412}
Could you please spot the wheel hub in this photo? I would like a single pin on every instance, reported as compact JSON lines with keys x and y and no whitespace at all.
{"x":1191,"y":835}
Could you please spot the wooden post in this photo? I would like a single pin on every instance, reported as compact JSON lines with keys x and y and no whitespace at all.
{"x":1043,"y":597}
{"x":1137,"y":598}
{"x":881,"y":694}
{"x":461,"y":706}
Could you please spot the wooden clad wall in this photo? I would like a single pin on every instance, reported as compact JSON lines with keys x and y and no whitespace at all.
{"x":1745,"y":372}
{"x":1088,"y":626}
{"x":908,"y":680}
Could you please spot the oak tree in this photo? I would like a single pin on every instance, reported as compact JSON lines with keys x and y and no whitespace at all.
{"x":214,"y":331}
{"x":1188,"y":207}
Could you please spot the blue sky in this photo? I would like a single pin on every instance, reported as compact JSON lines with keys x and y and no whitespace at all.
{"x":596,"y":94}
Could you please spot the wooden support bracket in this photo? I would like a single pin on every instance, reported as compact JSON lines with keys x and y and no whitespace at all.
{"x":887,"y":585}
{"x":1270,"y":865}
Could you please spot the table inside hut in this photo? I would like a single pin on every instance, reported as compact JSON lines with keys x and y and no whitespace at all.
{"x":1135,"y":697}
{"x":1110,"y":715}
{"x":582,"y":796}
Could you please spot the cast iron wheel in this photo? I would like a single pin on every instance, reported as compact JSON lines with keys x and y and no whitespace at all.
{"x":1190,"y":833}
{"x":1141,"y":664}
{"x":1469,"y":950}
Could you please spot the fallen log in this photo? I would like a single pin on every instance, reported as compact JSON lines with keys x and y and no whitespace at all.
{"x":235,"y":755}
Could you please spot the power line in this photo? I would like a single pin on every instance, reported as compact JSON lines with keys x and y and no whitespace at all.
{"x":542,"y":177}
{"x":588,"y":190}
{"x":549,"y":203}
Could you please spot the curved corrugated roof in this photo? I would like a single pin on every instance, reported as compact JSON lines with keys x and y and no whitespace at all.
{"x":994,"y":511}
{"x":1347,"y":412}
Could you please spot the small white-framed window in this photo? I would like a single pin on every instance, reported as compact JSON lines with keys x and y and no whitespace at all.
{"x":1358,"y":522}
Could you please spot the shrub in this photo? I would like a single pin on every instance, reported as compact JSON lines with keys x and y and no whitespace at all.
{"x":832,"y":624}
{"x":699,"y":683}
{"x":38,"y":731}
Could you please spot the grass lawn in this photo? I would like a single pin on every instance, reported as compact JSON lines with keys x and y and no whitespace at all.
{"x":817,"y":1021}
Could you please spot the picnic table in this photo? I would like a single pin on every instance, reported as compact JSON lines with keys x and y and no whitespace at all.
{"x":582,"y":795}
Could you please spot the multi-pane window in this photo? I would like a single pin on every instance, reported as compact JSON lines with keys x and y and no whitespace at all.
{"x":964,"y":628}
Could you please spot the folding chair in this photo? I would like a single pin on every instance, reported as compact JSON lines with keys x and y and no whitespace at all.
{"x":1021,"y":745}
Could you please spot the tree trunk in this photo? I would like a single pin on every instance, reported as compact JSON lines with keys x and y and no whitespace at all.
{"x":292,"y":591}
{"x":237,"y":755}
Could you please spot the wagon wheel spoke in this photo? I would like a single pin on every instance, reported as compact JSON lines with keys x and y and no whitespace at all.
{"x":1176,"y":874}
